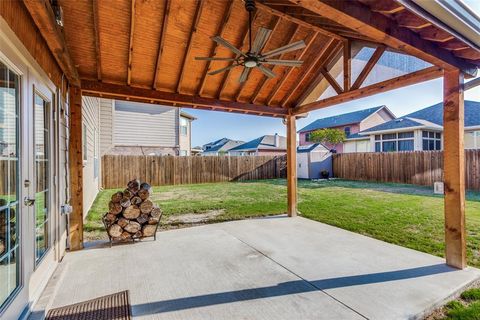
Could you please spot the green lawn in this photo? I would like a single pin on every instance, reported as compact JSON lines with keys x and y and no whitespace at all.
{"x":410,"y":216}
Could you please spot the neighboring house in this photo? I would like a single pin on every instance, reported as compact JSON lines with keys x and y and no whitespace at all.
{"x":422,"y":130}
{"x":131,"y":128}
{"x":313,"y":159}
{"x":262,"y":146}
{"x":220,"y":147}
{"x":351,"y":123}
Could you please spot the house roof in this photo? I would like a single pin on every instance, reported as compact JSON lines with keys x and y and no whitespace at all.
{"x":263,"y":142}
{"x":221,"y":143}
{"x":429,"y":117}
{"x":341,"y":119}
{"x":187,"y":115}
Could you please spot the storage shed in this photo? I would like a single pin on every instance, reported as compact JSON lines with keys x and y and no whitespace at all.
{"x":313,"y":159}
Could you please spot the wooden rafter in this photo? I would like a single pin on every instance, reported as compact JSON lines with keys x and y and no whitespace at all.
{"x":44,"y":19}
{"x":409,"y":20}
{"x":321,"y":59}
{"x":123,"y":92}
{"x":130,"y":42}
{"x":273,"y":26}
{"x":384,"y":86}
{"x":331,"y":80}
{"x":161,"y":42}
{"x":221,"y":28}
{"x":96,"y":29}
{"x":298,"y":21}
{"x":260,"y":87}
{"x":378,"y":27}
{"x":368,"y":67}
{"x":193,"y":31}
{"x":226,"y":75}
{"x":347,"y":65}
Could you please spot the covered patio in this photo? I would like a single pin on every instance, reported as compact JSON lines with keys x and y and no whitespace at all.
{"x":286,"y":267}
{"x":270,"y":268}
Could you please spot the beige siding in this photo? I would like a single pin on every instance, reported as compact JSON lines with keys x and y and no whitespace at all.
{"x":90,"y":121}
{"x":106,"y":129}
{"x":375,"y":119}
{"x":185,"y":139}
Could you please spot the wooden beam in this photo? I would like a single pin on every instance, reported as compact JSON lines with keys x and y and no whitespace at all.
{"x":384,"y":86}
{"x":193,"y":31}
{"x":273,"y":26}
{"x":166,"y":12}
{"x":347,"y":65}
{"x":471,"y":84}
{"x":102,"y":89}
{"x":380,"y":28}
{"x":331,"y":80}
{"x":213,"y":52}
{"x":130,"y":44}
{"x":259,"y":88}
{"x":96,"y":29}
{"x":291,"y":166}
{"x":75,"y":154}
{"x":454,"y":169}
{"x":319,"y":62}
{"x":368,"y":67}
{"x":42,"y":15}
{"x":300,"y":22}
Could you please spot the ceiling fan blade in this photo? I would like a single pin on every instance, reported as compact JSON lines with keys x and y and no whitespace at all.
{"x":267,"y":71}
{"x":244,"y":75}
{"x":260,"y":39}
{"x":222,"y":69}
{"x":227,"y":45}
{"x":214,"y":59}
{"x":289,"y":47}
{"x":290,"y":63}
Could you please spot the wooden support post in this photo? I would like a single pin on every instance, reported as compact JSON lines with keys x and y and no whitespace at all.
{"x":454,"y":169}
{"x":76,"y":169}
{"x":291,"y":166}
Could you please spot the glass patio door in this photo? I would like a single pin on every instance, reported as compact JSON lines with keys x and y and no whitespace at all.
{"x":9,"y":183}
{"x":41,"y":155}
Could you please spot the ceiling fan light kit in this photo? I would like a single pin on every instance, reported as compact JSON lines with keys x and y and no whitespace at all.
{"x":253,"y":58}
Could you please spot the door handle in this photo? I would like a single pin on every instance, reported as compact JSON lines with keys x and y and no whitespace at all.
{"x":28,"y":201}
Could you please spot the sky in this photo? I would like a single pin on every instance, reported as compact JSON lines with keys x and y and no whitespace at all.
{"x":214,"y":125}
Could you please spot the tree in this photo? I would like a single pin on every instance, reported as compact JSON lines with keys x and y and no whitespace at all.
{"x":328,"y":136}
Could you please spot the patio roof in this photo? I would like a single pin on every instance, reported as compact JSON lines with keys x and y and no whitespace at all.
{"x":144,"y":51}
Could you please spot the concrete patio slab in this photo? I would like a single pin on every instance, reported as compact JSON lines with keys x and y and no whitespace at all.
{"x":272,"y":268}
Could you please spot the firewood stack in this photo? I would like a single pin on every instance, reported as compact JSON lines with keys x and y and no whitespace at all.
{"x":131,"y":215}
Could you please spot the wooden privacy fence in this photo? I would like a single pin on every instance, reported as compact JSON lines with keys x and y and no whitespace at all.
{"x":415,"y":167}
{"x":117,"y":170}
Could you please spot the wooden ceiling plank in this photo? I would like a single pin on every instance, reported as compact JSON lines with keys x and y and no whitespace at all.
{"x":273,"y":26}
{"x":221,"y":29}
{"x":130,"y":44}
{"x":193,"y":31}
{"x":383,"y":29}
{"x":259,"y":88}
{"x":368,"y":67}
{"x":410,"y":20}
{"x":384,"y":86}
{"x":331,"y":80}
{"x":288,"y":17}
{"x":434,"y":34}
{"x":327,"y":51}
{"x":98,"y":53}
{"x":43,"y":17}
{"x":161,"y":42}
{"x":241,"y":46}
{"x":96,"y":88}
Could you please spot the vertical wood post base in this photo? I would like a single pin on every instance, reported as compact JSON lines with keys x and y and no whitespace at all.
{"x":291,"y":166}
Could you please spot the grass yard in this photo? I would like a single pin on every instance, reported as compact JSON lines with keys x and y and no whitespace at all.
{"x":409,"y":216}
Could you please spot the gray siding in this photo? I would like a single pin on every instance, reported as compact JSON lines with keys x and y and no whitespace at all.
{"x":106,"y":129}
{"x":139,"y":124}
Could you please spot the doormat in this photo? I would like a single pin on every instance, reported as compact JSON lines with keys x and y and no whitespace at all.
{"x":112,"y":307}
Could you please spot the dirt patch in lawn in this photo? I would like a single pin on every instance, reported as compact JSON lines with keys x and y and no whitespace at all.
{"x":193,"y":218}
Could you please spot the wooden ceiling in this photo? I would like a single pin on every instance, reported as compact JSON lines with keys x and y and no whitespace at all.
{"x":144,"y":50}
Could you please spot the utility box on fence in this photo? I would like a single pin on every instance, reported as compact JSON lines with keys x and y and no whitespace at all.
{"x":313,"y":159}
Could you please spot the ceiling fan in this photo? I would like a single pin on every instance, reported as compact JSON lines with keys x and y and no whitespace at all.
{"x":253,"y":58}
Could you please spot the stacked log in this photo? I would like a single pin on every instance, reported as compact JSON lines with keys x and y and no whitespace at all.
{"x":131,"y":214}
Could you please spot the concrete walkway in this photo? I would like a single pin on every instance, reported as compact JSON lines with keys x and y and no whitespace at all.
{"x":272,"y":268}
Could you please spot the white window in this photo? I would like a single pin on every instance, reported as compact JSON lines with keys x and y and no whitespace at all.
{"x":391,"y":142}
{"x":183,"y":126}
{"x":472,"y":140}
{"x":431,"y":140}
{"x":183,"y":152}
